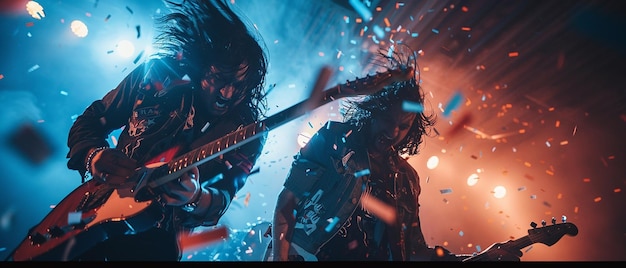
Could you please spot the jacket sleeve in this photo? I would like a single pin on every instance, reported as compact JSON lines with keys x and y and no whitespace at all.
{"x":92,"y":128}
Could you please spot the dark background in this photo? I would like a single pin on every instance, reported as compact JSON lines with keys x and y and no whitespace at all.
{"x":542,"y":111}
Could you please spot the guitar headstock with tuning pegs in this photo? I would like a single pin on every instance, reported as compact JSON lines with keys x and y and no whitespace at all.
{"x":550,"y":234}
{"x":547,"y":235}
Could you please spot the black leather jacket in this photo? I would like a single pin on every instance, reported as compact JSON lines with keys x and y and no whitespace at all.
{"x":329,"y":175}
{"x":156,"y":114}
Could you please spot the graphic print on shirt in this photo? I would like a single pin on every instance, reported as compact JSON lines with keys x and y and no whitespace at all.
{"x":311,"y":215}
{"x":141,"y":120}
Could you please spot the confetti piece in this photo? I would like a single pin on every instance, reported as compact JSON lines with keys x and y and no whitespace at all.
{"x":138,"y":28}
{"x":412,"y":107}
{"x":381,"y":210}
{"x":74,"y":217}
{"x":445,"y":191}
{"x":138,"y":57}
{"x":379,"y":32}
{"x":107,"y":18}
{"x":35,"y":67}
{"x":513,"y":54}
{"x":361,"y":9}
{"x":361,"y":173}
{"x":129,"y":10}
{"x":453,"y":103}
{"x":331,"y":224}
{"x":246,"y":201}
{"x":202,"y":239}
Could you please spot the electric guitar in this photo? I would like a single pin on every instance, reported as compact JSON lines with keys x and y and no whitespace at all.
{"x":93,"y":212}
{"x":547,"y":235}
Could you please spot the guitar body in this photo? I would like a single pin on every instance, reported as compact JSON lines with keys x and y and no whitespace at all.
{"x":90,"y":214}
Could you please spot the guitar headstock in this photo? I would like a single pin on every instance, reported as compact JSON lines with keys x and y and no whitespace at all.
{"x":550,"y":234}
{"x":371,"y":83}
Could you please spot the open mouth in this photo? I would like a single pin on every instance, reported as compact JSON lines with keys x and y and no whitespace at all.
{"x":221,"y":102}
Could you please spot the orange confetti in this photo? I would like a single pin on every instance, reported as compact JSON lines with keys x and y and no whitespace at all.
{"x":196,"y":240}
{"x":467,"y":29}
{"x":465,"y":9}
{"x":597,"y":199}
{"x":246,"y":200}
{"x":617,"y":190}
{"x":387,"y":23}
{"x":557,"y":123}
{"x":549,"y":172}
{"x":564,"y":143}
{"x":1,"y":76}
{"x":513,"y":54}
{"x":381,"y":210}
{"x":527,"y":164}
{"x":586,"y":180}
{"x":30,"y":24}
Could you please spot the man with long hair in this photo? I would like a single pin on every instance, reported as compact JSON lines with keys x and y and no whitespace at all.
{"x":205,"y":80}
{"x":351,"y":194}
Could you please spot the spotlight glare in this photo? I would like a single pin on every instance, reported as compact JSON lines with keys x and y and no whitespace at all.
{"x":79,"y":28}
{"x":472,"y":179}
{"x":125,"y":48}
{"x":303,"y":138}
{"x":432,"y":162}
{"x":499,"y":192}
{"x":35,"y":10}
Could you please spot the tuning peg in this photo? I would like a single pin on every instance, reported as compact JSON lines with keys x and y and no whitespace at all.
{"x":553,"y":220}
{"x":543,"y":223}
{"x":563,"y":218}
{"x":533,"y":224}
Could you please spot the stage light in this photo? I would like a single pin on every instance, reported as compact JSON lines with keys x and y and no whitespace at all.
{"x":432,"y":162}
{"x":79,"y":28}
{"x":499,"y":192}
{"x":125,"y":48}
{"x":35,"y":10}
{"x":472,"y":179}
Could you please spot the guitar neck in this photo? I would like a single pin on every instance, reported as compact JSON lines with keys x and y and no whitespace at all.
{"x":233,"y":140}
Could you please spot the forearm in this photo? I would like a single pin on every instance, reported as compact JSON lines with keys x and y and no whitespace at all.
{"x":283,"y":225}
{"x":281,"y":237}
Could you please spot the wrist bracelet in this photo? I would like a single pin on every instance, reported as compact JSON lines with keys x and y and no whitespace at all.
{"x":90,"y":157}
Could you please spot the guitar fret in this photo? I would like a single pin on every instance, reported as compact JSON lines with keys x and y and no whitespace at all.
{"x":366,"y":85}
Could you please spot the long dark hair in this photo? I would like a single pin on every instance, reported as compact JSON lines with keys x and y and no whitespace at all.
{"x":204,"y":33}
{"x":359,"y":111}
